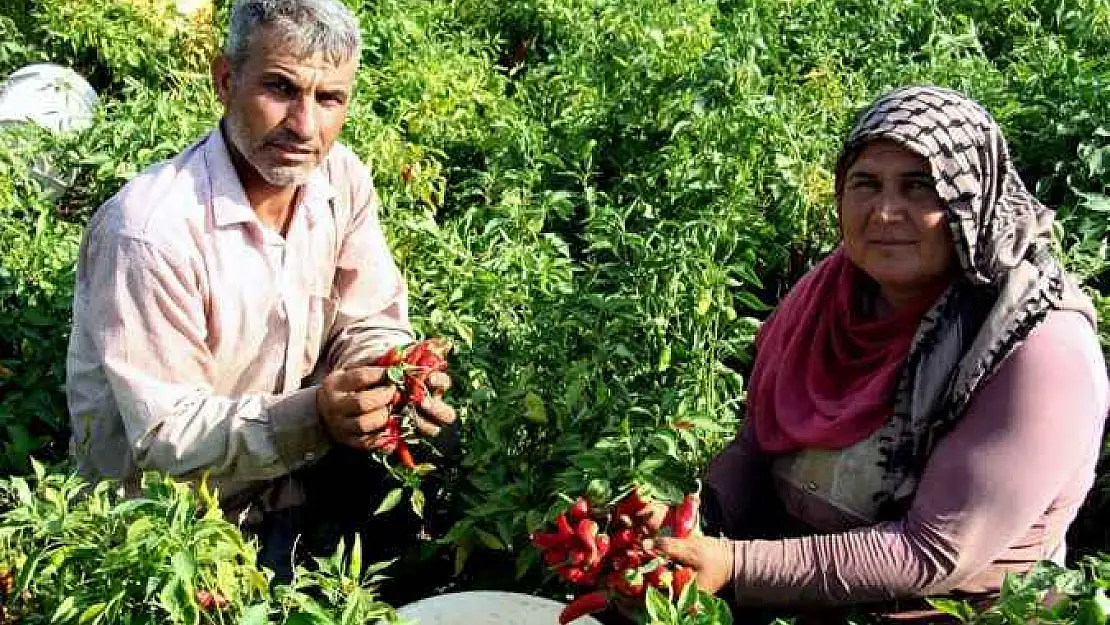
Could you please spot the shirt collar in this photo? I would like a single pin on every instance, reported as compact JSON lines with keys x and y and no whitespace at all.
{"x":229,"y":201}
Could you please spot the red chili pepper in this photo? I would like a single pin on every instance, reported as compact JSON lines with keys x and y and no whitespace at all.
{"x":634,"y":556}
{"x":392,"y":357}
{"x":580,"y":509}
{"x":586,"y":604}
{"x":397,"y":401}
{"x":578,"y":575}
{"x":659,"y":577}
{"x":624,"y":538}
{"x":209,"y":601}
{"x":587,"y":533}
{"x":555,"y":557}
{"x":404,"y":455}
{"x":668,"y":522}
{"x":632,"y":583}
{"x":603,"y":545}
{"x":637,"y":502}
{"x":563,"y":525}
{"x":632,"y":505}
{"x":416,"y":351}
{"x":205,"y":600}
{"x":682,"y":576}
{"x":578,"y":557}
{"x":416,"y":390}
{"x":392,"y":434}
{"x":685,"y":517}
{"x":431,"y":362}
{"x":545,"y":541}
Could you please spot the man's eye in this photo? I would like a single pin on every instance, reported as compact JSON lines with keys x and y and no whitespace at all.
{"x":280,"y":87}
{"x":864,"y":184}
{"x":331,"y":98}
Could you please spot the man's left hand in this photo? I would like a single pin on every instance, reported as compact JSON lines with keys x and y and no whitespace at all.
{"x":432,"y":414}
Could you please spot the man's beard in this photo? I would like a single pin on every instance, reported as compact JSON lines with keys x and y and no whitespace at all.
{"x":276,"y":175}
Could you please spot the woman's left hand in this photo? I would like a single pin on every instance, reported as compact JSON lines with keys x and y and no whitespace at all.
{"x":711,"y":558}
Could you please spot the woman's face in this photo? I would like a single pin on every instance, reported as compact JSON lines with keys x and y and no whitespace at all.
{"x":893,"y":224}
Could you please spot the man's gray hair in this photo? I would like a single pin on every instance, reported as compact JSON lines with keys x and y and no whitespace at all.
{"x":304,"y":27}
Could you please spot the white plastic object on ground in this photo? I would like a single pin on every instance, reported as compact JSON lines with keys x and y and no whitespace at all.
{"x":52,"y":96}
{"x":487,"y":607}
{"x":56,"y":98}
{"x":187,"y":8}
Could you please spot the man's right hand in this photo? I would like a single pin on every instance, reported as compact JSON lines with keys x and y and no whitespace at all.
{"x":353,"y":405}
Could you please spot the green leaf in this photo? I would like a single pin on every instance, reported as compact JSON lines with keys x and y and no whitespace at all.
{"x":961,"y":610}
{"x":417,"y":501}
{"x":355,"y":568}
{"x":377,"y":567}
{"x":705,"y":300}
{"x":664,"y":359}
{"x":92,"y":612}
{"x":659,"y":609}
{"x":462,"y":553}
{"x":184,"y":567}
{"x":488,"y":539}
{"x":23,"y":492}
{"x":534,"y":409}
{"x":39,"y":469}
{"x":258,"y":614}
{"x":396,"y":374}
{"x":307,"y":618}
{"x":524,"y":561}
{"x":1096,"y":202}
{"x":1095,"y":610}
{"x":390,"y":501}
{"x":67,"y":609}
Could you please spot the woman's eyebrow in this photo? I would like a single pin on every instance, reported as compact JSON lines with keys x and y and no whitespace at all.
{"x":918,"y":175}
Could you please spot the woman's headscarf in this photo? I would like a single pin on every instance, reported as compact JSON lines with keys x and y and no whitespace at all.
{"x":1008,"y":282}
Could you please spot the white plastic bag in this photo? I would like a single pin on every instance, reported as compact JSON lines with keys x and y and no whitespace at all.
{"x":49,"y":95}
{"x":487,"y":607}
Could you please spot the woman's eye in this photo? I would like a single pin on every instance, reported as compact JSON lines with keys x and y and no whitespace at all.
{"x":919,"y":187}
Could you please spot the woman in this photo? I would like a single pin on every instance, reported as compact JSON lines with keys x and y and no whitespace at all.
{"x":927,"y":404}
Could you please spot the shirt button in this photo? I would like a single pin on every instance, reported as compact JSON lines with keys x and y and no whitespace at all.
{"x":811,"y":486}
{"x":310,"y":456}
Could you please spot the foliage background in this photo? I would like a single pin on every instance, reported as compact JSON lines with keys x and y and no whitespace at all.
{"x":605,"y":198}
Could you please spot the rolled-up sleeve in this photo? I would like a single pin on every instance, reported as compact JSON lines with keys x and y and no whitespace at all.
{"x":1031,"y":435}
{"x":161,"y":373}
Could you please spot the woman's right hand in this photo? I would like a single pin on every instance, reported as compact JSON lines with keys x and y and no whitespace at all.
{"x":711,"y":558}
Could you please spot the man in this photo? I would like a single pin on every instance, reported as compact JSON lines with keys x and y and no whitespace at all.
{"x":228,"y":299}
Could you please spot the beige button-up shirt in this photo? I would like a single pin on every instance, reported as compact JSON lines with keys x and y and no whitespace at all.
{"x":197,"y":330}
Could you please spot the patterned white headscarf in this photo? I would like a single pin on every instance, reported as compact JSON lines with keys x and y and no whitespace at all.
{"x":1009,"y":279}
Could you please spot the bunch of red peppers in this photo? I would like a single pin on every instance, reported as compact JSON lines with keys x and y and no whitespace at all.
{"x":409,"y":367}
{"x":602,"y":548}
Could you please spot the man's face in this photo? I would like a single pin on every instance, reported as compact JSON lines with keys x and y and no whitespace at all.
{"x":284,"y":112}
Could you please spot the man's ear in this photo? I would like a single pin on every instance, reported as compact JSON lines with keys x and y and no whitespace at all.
{"x":221,"y":78}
